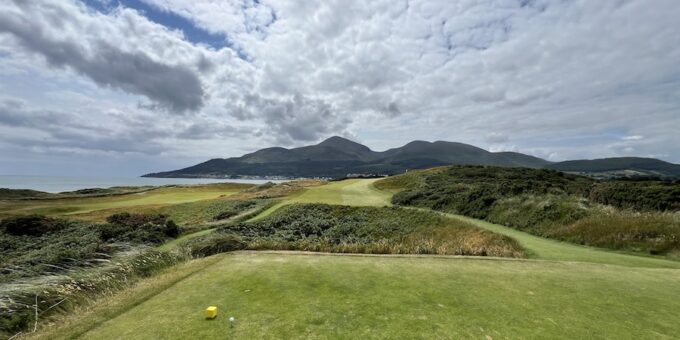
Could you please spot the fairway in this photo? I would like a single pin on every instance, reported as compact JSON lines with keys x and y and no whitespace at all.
{"x":349,"y":297}
{"x":354,"y":192}
{"x":160,"y":196}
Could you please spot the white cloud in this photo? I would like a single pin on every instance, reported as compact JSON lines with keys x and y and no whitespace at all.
{"x":556,"y":76}
{"x":633,"y":137}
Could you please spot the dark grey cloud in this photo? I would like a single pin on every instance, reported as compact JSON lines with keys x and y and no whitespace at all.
{"x":293,"y":119}
{"x":176,"y":87}
{"x":55,"y":130}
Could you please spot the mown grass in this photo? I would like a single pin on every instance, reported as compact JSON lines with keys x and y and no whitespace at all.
{"x":352,"y":192}
{"x":159,"y":196}
{"x":278,"y":296}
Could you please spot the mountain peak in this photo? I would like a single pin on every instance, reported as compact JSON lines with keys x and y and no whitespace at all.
{"x":336,"y":141}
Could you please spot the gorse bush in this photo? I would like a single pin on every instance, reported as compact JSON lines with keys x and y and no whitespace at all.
{"x":33,"y":225}
{"x":138,"y":228}
{"x":552,"y":204}
{"x":212,"y":244}
{"x":235,"y":209}
{"x":37,"y":245}
{"x":638,"y":195}
{"x":538,"y":214}
{"x":473,"y":190}
{"x":320,"y":227}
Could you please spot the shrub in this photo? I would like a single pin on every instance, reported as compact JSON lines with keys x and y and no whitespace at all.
{"x":552,"y":204}
{"x":213,"y":243}
{"x":638,"y":195}
{"x":225,"y":215}
{"x":538,"y":213}
{"x":140,"y":228}
{"x":135,"y":220}
{"x":32,"y":225}
{"x":320,"y":227}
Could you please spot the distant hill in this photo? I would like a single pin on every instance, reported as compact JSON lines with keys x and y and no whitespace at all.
{"x":338,"y":157}
{"x":622,"y":166}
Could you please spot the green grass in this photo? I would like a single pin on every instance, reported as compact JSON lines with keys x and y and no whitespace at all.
{"x":565,"y":291}
{"x":174,"y":243}
{"x":354,"y":192}
{"x":160,"y":196}
{"x":547,"y":249}
{"x":373,"y":230}
{"x":277,"y":296}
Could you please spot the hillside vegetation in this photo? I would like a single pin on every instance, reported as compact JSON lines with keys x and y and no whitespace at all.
{"x":406,"y":295}
{"x":345,"y":229}
{"x":625,"y":215}
{"x":66,"y":261}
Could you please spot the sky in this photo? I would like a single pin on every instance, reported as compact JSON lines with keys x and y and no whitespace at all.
{"x":127,"y":87}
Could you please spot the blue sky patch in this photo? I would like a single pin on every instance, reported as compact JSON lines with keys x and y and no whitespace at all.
{"x":170,"y":20}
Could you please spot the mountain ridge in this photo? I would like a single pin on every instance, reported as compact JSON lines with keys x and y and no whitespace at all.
{"x":338,"y":157}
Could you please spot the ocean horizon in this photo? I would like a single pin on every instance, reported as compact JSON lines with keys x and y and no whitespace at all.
{"x":56,"y":184}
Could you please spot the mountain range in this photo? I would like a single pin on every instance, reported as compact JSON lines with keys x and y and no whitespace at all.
{"x":338,"y":157}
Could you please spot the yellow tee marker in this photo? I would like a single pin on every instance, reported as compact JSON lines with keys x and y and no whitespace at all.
{"x":211,"y":312}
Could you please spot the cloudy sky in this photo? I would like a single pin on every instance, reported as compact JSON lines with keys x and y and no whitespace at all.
{"x":125,"y":87}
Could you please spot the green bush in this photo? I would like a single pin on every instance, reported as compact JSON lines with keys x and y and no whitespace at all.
{"x":213,"y":243}
{"x":638,"y":195}
{"x":549,"y":203}
{"x":538,"y":214}
{"x":33,"y":225}
{"x":330,"y":228}
{"x":138,"y":228}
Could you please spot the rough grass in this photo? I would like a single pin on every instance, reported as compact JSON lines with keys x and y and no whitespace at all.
{"x":553,"y":250}
{"x":84,"y":317}
{"x":282,"y":296}
{"x":550,"y":204}
{"x":391,"y":230}
{"x":276,"y":296}
{"x":653,"y":233}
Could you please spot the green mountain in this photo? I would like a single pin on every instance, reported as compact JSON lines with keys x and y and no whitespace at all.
{"x":338,"y":157}
{"x":622,"y":166}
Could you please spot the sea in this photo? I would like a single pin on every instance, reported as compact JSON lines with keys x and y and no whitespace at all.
{"x":55,"y":184}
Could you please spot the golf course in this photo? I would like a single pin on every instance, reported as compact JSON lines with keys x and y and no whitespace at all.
{"x":558,"y":291}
